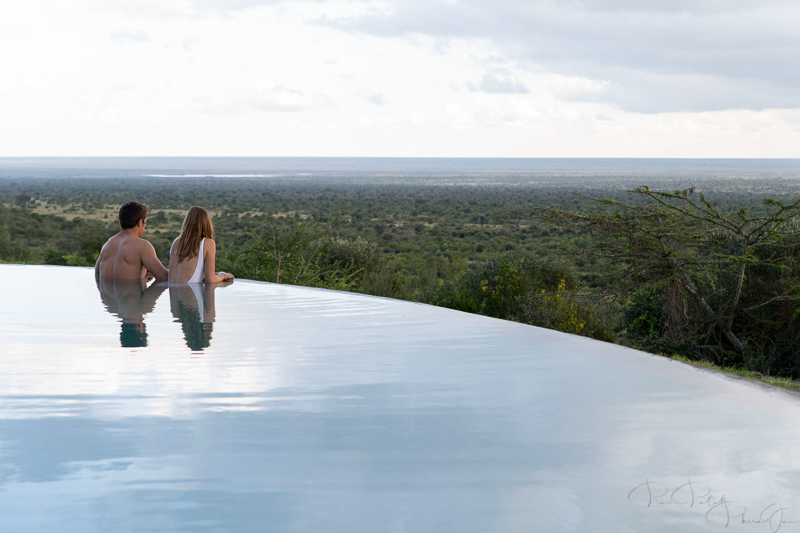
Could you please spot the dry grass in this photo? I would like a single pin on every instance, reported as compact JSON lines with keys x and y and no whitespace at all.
{"x":783,"y":383}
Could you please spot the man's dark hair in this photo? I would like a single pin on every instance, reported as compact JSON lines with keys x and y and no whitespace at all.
{"x":133,"y":336}
{"x":131,"y":213}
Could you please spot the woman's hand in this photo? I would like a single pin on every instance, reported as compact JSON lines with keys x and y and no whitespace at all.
{"x":225,"y":275}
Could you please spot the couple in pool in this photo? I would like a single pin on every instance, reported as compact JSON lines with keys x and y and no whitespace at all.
{"x":126,"y":256}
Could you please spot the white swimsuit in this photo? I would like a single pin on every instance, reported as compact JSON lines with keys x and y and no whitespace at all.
{"x":197,"y":276}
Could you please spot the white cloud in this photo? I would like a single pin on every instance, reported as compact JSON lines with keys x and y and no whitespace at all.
{"x":376,"y":99}
{"x":140,"y":77}
{"x":134,"y":36}
{"x":491,"y":83}
{"x":746,"y":48}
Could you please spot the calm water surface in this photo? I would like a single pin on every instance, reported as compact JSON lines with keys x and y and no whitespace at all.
{"x":258,"y":407}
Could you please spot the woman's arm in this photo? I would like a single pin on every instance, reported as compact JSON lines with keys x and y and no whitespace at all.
{"x":209,"y":258}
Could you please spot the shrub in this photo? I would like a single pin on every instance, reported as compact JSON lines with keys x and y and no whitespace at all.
{"x":51,"y":256}
{"x":5,"y":244}
{"x":292,"y":252}
{"x":14,"y":251}
{"x":88,"y":238}
{"x":524,"y":288}
{"x":349,"y":255}
{"x":643,"y":319}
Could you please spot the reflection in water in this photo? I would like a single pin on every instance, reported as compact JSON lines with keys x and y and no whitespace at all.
{"x":193,"y":305}
{"x":130,"y":300}
{"x":351,"y":414}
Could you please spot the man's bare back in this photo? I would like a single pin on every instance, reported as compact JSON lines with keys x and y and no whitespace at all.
{"x":127,"y":256}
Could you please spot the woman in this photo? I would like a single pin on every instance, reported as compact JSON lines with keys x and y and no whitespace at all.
{"x":191,"y":258}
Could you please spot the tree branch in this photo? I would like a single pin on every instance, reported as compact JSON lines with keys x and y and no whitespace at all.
{"x":775,"y":299}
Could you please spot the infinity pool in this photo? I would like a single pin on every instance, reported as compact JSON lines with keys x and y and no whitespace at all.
{"x":257,"y":407}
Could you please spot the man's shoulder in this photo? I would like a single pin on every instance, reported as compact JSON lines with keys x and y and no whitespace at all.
{"x":143,"y":247}
{"x":133,"y":240}
{"x":126,"y":244}
{"x":111,"y":244}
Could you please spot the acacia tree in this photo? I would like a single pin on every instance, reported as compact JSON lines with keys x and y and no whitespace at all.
{"x":292,"y":251}
{"x":281,"y":252}
{"x":714,"y":266}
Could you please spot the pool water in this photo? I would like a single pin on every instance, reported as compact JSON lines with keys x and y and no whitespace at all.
{"x":262,"y":407}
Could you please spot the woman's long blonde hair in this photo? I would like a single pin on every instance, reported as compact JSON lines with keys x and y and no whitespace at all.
{"x":196,"y":227}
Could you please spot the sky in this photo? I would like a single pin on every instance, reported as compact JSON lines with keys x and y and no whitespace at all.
{"x":400,"y":78}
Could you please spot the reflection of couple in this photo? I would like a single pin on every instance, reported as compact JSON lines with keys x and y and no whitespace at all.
{"x":127,"y":262}
{"x":130,"y":300}
{"x":192,"y":305}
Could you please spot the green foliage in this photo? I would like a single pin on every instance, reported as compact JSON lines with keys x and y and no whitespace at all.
{"x":79,"y":260}
{"x":22,"y":200}
{"x":498,"y":286}
{"x":643,"y":317}
{"x":88,"y":238}
{"x":5,"y":244}
{"x":12,"y":251}
{"x":712,"y":271}
{"x":524,"y":288}
{"x":293,"y":251}
{"x":51,"y":256}
{"x":352,"y":254}
{"x":157,"y":219}
{"x":387,"y":282}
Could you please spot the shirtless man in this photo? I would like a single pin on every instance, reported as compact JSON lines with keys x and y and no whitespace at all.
{"x":126,"y":255}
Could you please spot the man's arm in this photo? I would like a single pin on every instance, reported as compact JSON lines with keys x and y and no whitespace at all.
{"x":152,"y":264}
{"x":150,"y":295}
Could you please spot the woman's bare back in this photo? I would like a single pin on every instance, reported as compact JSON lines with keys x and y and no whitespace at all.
{"x":182,"y":271}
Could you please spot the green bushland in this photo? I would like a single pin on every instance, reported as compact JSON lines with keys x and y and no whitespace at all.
{"x":298,"y":253}
{"x":720,"y":285}
{"x":522,"y":287}
{"x":535,"y":253}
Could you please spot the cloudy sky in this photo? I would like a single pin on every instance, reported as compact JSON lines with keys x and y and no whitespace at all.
{"x":449,"y":78}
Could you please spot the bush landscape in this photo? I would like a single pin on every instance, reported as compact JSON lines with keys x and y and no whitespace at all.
{"x":704,"y":270}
